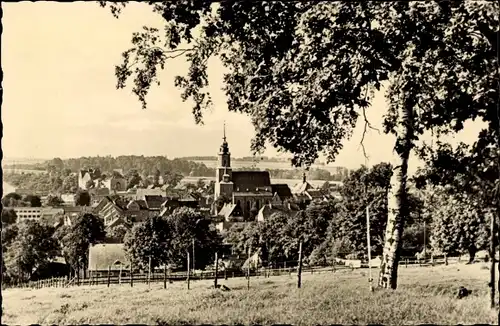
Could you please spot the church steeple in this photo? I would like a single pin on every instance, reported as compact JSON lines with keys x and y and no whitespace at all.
{"x":224,"y":149}
{"x":223,"y":184}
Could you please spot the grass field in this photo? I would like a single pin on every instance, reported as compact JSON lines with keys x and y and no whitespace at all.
{"x":425,"y":295}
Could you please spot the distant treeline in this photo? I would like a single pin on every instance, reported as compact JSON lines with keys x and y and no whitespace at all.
{"x":151,"y":165}
{"x":244,"y":158}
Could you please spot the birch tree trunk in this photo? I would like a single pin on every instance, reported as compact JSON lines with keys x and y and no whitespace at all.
{"x":397,"y":203}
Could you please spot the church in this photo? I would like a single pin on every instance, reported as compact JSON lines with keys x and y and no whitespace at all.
{"x":249,"y":191}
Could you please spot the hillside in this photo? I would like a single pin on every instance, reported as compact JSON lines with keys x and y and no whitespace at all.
{"x":424,"y":295}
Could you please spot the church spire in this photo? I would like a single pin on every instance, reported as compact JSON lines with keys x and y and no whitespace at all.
{"x":224,"y":126}
{"x":224,"y":149}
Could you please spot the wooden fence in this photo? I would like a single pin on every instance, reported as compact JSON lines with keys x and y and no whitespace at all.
{"x":166,"y":277}
{"x":109,"y":278}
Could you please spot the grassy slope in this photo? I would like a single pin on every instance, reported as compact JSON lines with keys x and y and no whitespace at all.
{"x":425,"y":295}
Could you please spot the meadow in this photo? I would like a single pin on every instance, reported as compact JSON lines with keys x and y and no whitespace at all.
{"x":424,"y":295}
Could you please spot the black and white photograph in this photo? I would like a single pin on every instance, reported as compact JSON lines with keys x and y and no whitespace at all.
{"x":232,"y":162}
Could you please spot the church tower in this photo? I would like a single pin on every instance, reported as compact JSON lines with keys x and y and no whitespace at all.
{"x":223,"y":183}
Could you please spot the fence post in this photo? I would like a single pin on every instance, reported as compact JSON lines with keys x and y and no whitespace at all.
{"x":188,"y":269}
{"x":248,"y":267}
{"x":164,"y":276}
{"x":445,"y":260}
{"x":149,"y":270}
{"x":225,"y":273}
{"x":120,"y":276}
{"x":131,"y":275}
{"x":109,"y":275}
{"x":299,"y":269}
{"x":216,"y":269}
{"x":406,"y":262}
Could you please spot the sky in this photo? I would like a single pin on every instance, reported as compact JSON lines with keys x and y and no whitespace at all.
{"x":60,"y":96}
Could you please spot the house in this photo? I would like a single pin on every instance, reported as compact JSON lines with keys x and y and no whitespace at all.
{"x":141,"y":192}
{"x":268,"y":210}
{"x":109,"y":209}
{"x":116,"y":182}
{"x":86,"y":175}
{"x":97,"y":194}
{"x":154,"y":203}
{"x":103,"y":257}
{"x":68,"y":199}
{"x":137,"y":211}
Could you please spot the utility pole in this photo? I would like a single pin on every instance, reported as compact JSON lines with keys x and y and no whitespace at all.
{"x":299,"y":268}
{"x":194,"y":266}
{"x":216,"y":269}
{"x":370,"y":279}
{"x":425,"y":243}
{"x":188,"y":269}
{"x":248,"y":266}
{"x":492,"y":254}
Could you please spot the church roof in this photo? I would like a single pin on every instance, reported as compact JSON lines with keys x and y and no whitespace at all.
{"x":316,"y":193}
{"x":252,"y":193}
{"x":154,"y":202}
{"x":227,"y":210}
{"x":250,"y":179}
{"x":301,"y":187}
{"x":283,"y":190}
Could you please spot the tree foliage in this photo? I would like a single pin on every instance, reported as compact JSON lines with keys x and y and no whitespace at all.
{"x":149,"y":239}
{"x":32,"y":248}
{"x":54,"y":201}
{"x":459,"y":225}
{"x":169,"y":239}
{"x":9,"y":217}
{"x":82,"y":198}
{"x":76,"y":239}
{"x":325,"y":58}
{"x":315,"y":66}
{"x":118,"y":233}
{"x":189,"y":225}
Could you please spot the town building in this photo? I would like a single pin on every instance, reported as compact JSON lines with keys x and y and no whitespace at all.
{"x":92,"y":178}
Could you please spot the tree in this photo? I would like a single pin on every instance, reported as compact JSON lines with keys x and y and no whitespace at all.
{"x":33,"y":200}
{"x":11,"y":200}
{"x":70,"y":184}
{"x":364,"y":188}
{"x":9,"y":216}
{"x":149,"y":239}
{"x":9,"y":234}
{"x":32,"y":248}
{"x":54,"y":201}
{"x":221,"y":201}
{"x":133,"y":178}
{"x":118,"y":233}
{"x":188,"y":225}
{"x":314,"y":67}
{"x":459,"y":225}
{"x":85,"y":230}
{"x":82,"y":198}
{"x":172,"y":178}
